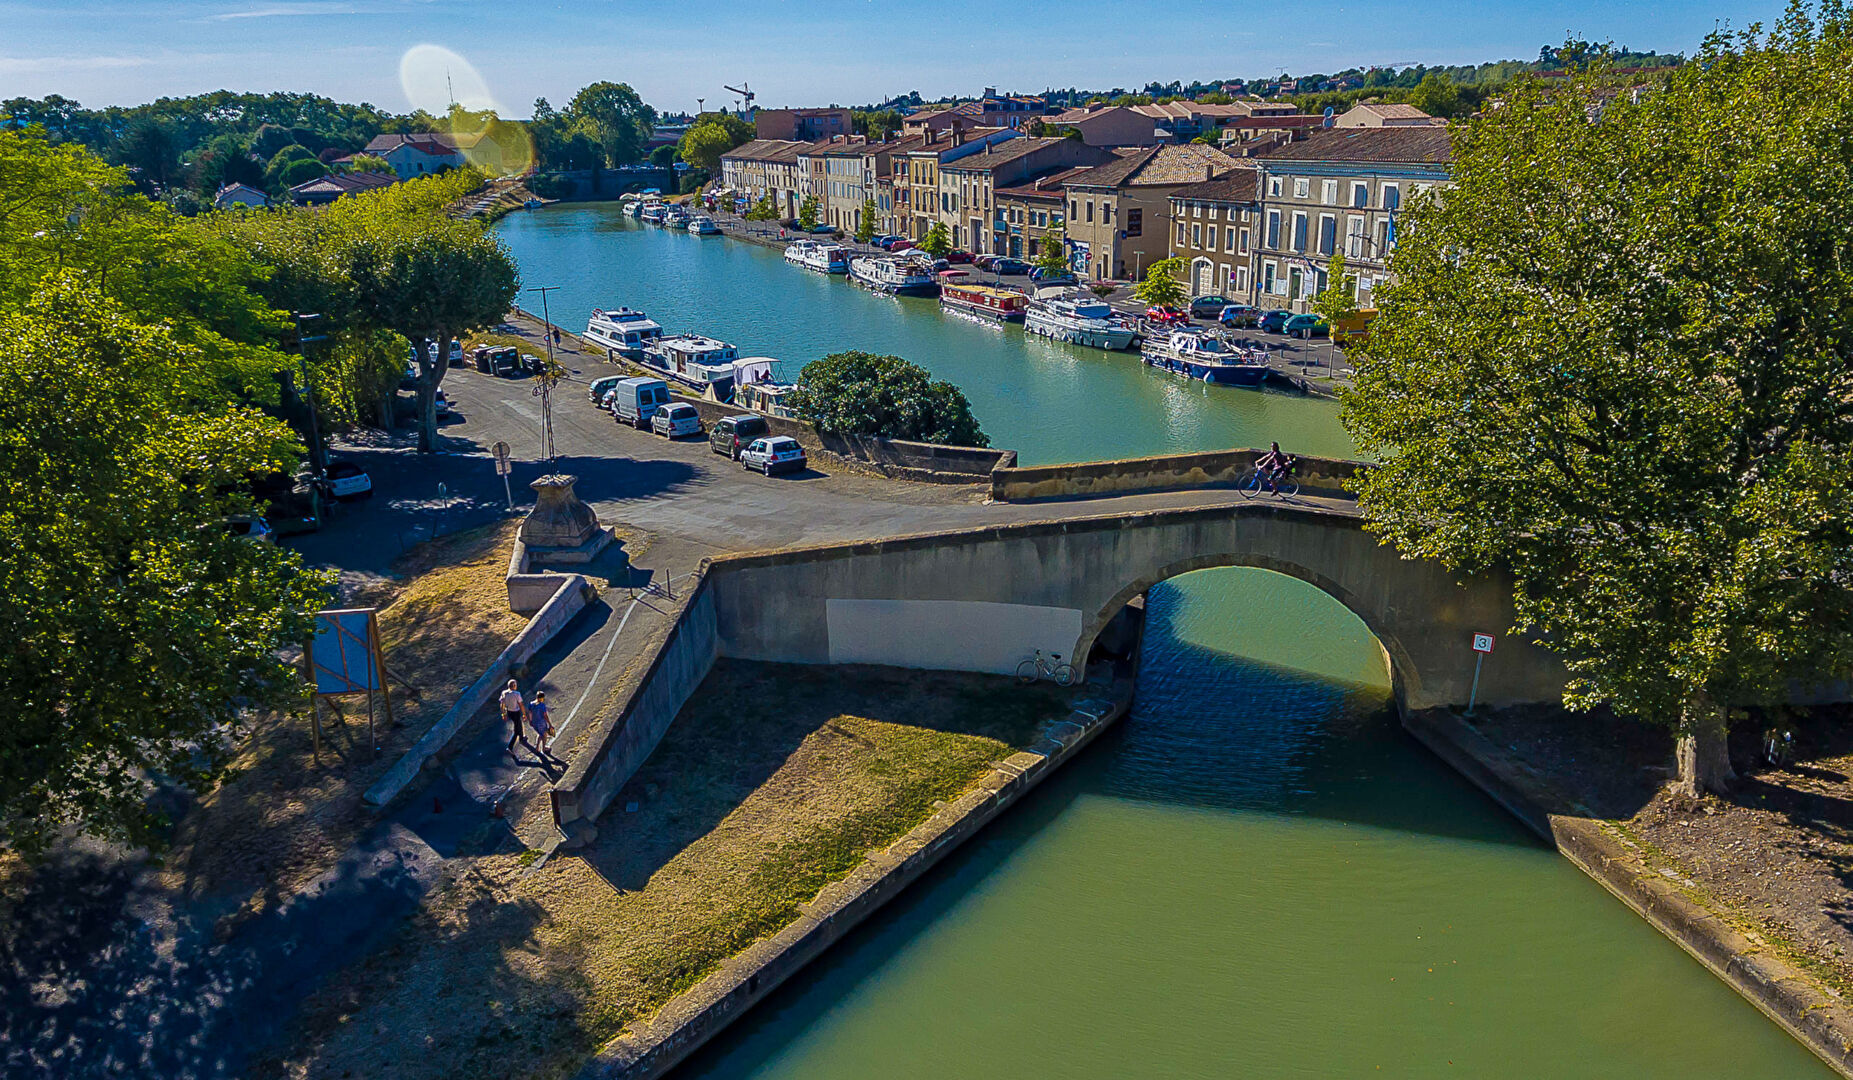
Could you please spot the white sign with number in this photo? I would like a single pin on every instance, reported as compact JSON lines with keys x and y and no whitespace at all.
{"x":1483,"y":643}
{"x":502,"y":464}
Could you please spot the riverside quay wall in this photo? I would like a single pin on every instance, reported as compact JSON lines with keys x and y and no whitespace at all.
{"x":986,"y":599}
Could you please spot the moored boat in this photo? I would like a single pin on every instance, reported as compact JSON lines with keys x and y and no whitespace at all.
{"x":900,"y":277}
{"x":703,"y":225}
{"x":817,"y":255}
{"x":699,"y":362}
{"x":652,"y":212}
{"x":622,"y":332}
{"x":1079,"y":320}
{"x":959,"y":294}
{"x":1196,"y":355}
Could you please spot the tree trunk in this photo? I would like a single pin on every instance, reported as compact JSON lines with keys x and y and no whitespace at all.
{"x":1703,"y":750}
{"x":429,"y":376}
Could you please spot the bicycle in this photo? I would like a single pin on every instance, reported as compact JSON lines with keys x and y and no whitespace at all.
{"x":1059,"y":673}
{"x":1253,"y":484}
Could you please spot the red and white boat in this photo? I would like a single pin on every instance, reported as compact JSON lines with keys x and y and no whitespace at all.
{"x":957,"y":293}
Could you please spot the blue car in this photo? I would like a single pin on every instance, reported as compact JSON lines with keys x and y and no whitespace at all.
{"x":886,"y":242}
{"x":1274,"y":321}
{"x":1010,"y":266}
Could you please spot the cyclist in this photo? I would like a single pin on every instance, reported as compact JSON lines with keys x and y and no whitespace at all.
{"x":1275,"y":466}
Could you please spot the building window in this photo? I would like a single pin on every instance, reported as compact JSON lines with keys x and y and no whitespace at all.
{"x":1328,"y":234}
{"x":1392,"y":197}
{"x":1360,"y":195}
{"x":1328,"y":193}
{"x":1273,"y":236}
{"x":1073,"y":210}
{"x":1212,"y":244}
{"x":1212,"y":213}
{"x":1354,"y":237}
{"x":1134,"y":221}
{"x":1196,"y":209}
{"x":1241,"y":280}
{"x":1274,"y":186}
{"x":1090,"y":211}
{"x":1196,"y":236}
{"x":1299,"y":232}
{"x":1267,"y":277}
{"x":1229,"y":240}
{"x":1180,"y":234}
{"x":1302,"y":187}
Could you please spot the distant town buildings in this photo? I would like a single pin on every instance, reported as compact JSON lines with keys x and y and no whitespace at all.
{"x":803,"y":125}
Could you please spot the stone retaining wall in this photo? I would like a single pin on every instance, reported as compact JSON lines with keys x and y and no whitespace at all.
{"x":620,"y":741}
{"x":899,"y":459}
{"x":1819,"y":1020}
{"x":1163,"y":472}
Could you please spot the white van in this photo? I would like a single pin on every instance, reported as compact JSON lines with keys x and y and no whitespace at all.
{"x":635,"y":401}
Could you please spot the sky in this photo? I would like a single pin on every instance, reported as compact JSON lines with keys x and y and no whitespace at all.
{"x":790,"y":52}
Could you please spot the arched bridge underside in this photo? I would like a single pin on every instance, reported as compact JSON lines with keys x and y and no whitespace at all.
{"x":985,"y":599}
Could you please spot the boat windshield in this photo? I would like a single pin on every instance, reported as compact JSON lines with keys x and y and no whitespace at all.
{"x":1092,"y":310}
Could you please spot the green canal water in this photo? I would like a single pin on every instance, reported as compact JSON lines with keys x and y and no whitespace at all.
{"x":1256,"y":874}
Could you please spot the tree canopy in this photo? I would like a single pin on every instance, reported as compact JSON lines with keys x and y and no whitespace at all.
{"x":937,"y":241}
{"x":858,"y":393}
{"x":1616,"y":361}
{"x":1162,"y":287}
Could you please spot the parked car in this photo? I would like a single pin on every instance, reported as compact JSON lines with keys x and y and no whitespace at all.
{"x":1239,"y":315}
{"x":532,"y":364}
{"x":886,"y":243}
{"x":347,"y":480}
{"x":1010,"y":266}
{"x":1208,"y":307}
{"x":635,"y":400}
{"x":676,"y":419}
{"x":601,"y":388}
{"x":900,"y":245}
{"x":775,"y":454}
{"x":732,"y":434}
{"x":250,"y":527}
{"x":983,"y":262}
{"x":1272,"y":321}
{"x":1306,"y":326}
{"x":1166,"y":316}
{"x":956,"y":256}
{"x":409,"y":380}
{"x":441,"y":403}
{"x":822,"y":228}
{"x":1051,"y":276}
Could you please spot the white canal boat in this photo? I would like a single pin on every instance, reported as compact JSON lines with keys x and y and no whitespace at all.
{"x":622,"y":332}
{"x":819,"y":256}
{"x":900,"y":277}
{"x":701,"y":363}
{"x":1197,"y":355}
{"x":1078,"y":320}
{"x":703,"y":225}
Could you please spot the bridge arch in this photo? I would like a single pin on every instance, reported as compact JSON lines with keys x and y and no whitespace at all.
{"x":1396,"y":657}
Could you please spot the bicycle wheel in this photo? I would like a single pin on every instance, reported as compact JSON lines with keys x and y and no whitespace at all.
{"x":1026,"y":672}
{"x":1063,"y":674}
{"x":1287,"y":488}
{"x":1251,"y":484}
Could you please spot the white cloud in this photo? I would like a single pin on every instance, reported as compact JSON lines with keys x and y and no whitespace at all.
{"x":32,"y":65}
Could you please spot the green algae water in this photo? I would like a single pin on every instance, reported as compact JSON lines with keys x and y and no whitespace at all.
{"x":1257,"y":874}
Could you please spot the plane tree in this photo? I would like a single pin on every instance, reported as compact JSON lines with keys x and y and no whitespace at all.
{"x":1616,"y":363}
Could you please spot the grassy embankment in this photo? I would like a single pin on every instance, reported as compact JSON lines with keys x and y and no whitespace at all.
{"x":775,"y":781}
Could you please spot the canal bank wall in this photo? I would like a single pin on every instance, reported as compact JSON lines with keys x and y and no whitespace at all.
{"x":652,"y":1048}
{"x":1674,"y":905}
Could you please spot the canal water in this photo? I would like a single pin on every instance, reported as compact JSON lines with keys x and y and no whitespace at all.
{"x":1256,"y":874}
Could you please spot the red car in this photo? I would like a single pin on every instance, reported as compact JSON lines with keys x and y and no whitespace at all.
{"x":1166,"y":316}
{"x":901,"y":245}
{"x":984,"y":261}
{"x":958,"y":256}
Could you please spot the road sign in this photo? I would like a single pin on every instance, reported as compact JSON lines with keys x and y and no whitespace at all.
{"x":503,"y":466}
{"x":1483,"y":643}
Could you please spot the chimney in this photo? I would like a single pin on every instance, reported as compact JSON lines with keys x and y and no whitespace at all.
{"x":1209,"y":171}
{"x":958,"y":135}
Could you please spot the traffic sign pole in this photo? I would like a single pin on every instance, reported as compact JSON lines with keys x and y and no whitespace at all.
{"x":504,"y":466}
{"x":1482,"y":644}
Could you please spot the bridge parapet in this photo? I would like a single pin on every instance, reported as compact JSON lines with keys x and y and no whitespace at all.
{"x":1163,"y":472}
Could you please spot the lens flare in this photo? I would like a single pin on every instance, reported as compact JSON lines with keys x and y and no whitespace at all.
{"x":441,"y":82}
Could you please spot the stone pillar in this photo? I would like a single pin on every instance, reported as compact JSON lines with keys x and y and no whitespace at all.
{"x":561,"y":527}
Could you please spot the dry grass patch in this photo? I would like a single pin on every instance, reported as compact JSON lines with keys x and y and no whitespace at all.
{"x":282,"y":816}
{"x":775,"y":781}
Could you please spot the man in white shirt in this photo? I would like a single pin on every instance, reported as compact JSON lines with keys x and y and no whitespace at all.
{"x":515,"y":711}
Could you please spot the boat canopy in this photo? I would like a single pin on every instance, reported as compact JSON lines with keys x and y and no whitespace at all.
{"x":753,"y":369}
{"x":953,"y":275}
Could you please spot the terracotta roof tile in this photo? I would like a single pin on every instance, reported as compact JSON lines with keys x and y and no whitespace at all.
{"x":1423,"y":145}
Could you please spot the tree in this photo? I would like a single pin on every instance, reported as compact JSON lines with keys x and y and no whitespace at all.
{"x":1161,"y":287}
{"x":430,"y":279}
{"x":1436,"y":95}
{"x":807,"y":212}
{"x":865,"y":221}
{"x":1612,"y":363}
{"x":937,"y":241}
{"x":1052,"y":254}
{"x":369,"y":163}
{"x":763,"y":210}
{"x":664,"y":156}
{"x":703,"y":144}
{"x":300,"y":172}
{"x":1338,"y":301}
{"x":858,"y":393}
{"x":616,"y":118}
{"x":877,"y":125}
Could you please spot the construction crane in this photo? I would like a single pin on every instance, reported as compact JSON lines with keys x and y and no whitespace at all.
{"x":746,"y":97}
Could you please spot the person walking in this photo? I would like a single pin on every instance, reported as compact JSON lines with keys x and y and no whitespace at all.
{"x":541,"y":720}
{"x":515,"y":711}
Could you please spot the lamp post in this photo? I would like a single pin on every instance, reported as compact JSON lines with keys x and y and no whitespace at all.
{"x":547,"y":379}
{"x":317,"y":459}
